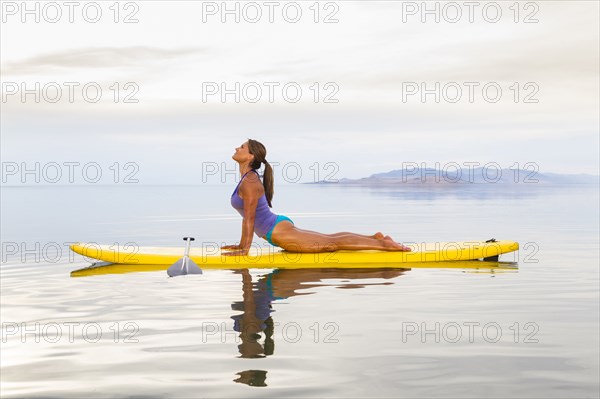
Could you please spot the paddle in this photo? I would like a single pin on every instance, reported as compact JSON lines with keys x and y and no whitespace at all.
{"x":184,"y":265}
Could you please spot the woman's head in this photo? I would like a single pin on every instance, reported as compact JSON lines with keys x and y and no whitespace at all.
{"x":251,"y":152}
{"x":254,"y":153}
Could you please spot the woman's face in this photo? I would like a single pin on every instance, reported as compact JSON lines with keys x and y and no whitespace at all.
{"x":242,"y":153}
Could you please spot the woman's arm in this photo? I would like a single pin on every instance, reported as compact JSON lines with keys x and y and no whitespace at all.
{"x":250,"y":192}
{"x":250,"y":203}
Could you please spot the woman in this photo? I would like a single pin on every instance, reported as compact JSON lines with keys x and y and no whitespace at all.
{"x":252,"y":200}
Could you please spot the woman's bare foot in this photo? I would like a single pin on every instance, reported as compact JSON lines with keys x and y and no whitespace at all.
{"x":393,"y":245}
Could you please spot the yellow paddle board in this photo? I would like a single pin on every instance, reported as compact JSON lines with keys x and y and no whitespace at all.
{"x":272,"y":257}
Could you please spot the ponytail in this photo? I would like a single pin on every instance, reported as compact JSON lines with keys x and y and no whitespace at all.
{"x":268,"y":182}
{"x":260,"y":153}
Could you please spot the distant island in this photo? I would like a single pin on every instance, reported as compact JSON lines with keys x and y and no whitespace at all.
{"x":465,"y":176}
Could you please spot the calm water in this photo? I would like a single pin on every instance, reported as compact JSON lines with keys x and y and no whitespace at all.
{"x":529,"y":331}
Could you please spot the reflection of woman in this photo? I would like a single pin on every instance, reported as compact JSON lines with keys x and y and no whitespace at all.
{"x":285,"y":283}
{"x":256,"y":318}
{"x":279,"y":284}
{"x":252,"y":200}
{"x":254,"y":378}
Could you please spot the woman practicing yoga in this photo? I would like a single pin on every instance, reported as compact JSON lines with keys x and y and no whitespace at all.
{"x":252,"y":199}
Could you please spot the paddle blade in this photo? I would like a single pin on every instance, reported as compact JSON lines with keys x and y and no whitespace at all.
{"x":176,"y":269}
{"x":192,"y":267}
{"x":183,"y":266}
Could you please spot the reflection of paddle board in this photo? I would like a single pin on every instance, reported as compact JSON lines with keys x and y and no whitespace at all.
{"x":474,"y":266}
{"x":275,"y":258}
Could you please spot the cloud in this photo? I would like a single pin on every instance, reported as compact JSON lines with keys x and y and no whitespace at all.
{"x":97,"y":57}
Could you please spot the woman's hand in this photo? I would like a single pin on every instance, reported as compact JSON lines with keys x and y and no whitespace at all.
{"x":231,"y":247}
{"x":234,"y":250}
{"x":237,"y":252}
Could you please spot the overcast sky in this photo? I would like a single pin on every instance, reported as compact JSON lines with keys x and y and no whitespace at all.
{"x":370,"y":65}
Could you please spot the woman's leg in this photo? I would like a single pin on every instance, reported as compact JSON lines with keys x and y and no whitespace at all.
{"x":377,"y":235}
{"x":291,"y":238}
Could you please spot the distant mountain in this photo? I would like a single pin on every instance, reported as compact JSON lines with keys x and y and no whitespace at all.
{"x":478,"y":175}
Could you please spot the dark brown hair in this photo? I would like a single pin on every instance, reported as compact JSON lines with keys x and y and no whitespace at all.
{"x":260,"y":153}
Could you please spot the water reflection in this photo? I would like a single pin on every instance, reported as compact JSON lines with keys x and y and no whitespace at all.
{"x":257,"y":298}
{"x":254,"y":321}
{"x":254,"y":378}
{"x":255,"y":317}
